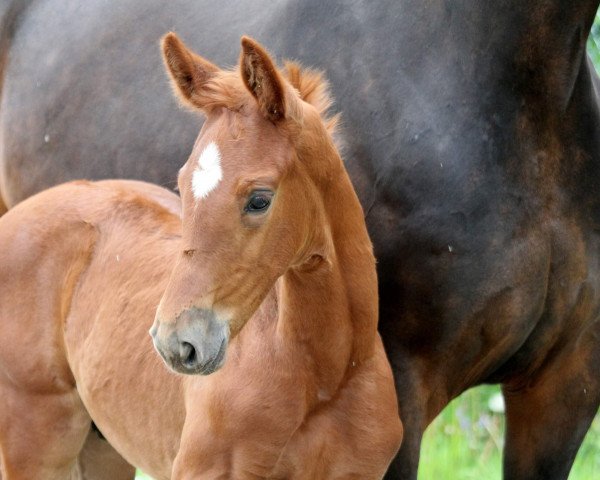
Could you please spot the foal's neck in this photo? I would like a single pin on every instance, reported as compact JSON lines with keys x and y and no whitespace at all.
{"x":331,"y":311}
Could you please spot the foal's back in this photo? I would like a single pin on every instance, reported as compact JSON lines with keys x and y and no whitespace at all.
{"x":74,"y":258}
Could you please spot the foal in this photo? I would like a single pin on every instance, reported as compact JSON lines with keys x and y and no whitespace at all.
{"x":273,"y":294}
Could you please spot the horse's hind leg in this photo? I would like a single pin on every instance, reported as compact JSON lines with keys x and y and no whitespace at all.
{"x":3,"y":202}
{"x":100,"y":461}
{"x":41,"y":433}
{"x":547,"y":420}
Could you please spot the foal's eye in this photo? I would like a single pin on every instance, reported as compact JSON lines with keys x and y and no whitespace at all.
{"x":258,"y":202}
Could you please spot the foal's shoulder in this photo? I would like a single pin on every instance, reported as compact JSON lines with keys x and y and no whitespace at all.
{"x":152,"y":195}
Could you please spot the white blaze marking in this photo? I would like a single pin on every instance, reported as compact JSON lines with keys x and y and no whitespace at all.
{"x":208,"y":173}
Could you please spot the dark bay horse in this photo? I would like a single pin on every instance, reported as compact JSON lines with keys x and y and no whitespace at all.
{"x":471,"y":135}
{"x":272,"y":291}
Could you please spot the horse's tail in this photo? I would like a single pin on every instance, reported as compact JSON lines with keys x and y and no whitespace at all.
{"x":10,"y":10}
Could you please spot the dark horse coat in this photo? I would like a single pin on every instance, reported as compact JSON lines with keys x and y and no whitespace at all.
{"x":471,"y":133}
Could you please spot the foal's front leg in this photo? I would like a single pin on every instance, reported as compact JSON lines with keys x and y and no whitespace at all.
{"x":227,"y":434}
{"x":201,"y":453}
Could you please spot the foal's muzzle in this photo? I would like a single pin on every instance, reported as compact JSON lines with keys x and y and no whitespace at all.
{"x":195,"y":344}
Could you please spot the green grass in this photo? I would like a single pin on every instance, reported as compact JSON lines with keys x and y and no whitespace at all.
{"x":465,"y":442}
{"x":593,"y":43}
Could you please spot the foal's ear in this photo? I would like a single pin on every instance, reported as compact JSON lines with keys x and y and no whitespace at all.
{"x":188,"y":71}
{"x":263,"y":80}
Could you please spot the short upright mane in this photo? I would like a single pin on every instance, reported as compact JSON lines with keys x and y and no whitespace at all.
{"x":313,"y":88}
{"x":226,"y":89}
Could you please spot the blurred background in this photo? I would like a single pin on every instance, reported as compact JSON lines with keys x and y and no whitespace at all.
{"x":465,"y":441}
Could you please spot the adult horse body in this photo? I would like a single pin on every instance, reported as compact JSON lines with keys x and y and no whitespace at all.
{"x":471,"y":133}
{"x":273,"y":265}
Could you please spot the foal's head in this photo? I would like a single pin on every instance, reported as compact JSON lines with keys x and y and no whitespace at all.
{"x":252,"y":194}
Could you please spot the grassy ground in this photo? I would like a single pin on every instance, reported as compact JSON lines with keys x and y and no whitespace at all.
{"x":465,"y":442}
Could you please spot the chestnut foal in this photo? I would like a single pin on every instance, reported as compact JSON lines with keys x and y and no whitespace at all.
{"x":273,"y":293}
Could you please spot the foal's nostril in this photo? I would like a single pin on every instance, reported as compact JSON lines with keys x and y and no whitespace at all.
{"x":187,"y":353}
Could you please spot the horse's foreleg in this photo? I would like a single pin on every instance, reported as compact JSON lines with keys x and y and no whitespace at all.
{"x":412,"y":407}
{"x":547,"y":419}
{"x":405,"y":465}
{"x":41,"y":433}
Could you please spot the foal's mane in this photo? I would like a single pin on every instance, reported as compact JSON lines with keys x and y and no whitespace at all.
{"x":313,"y":88}
{"x":226,"y":89}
